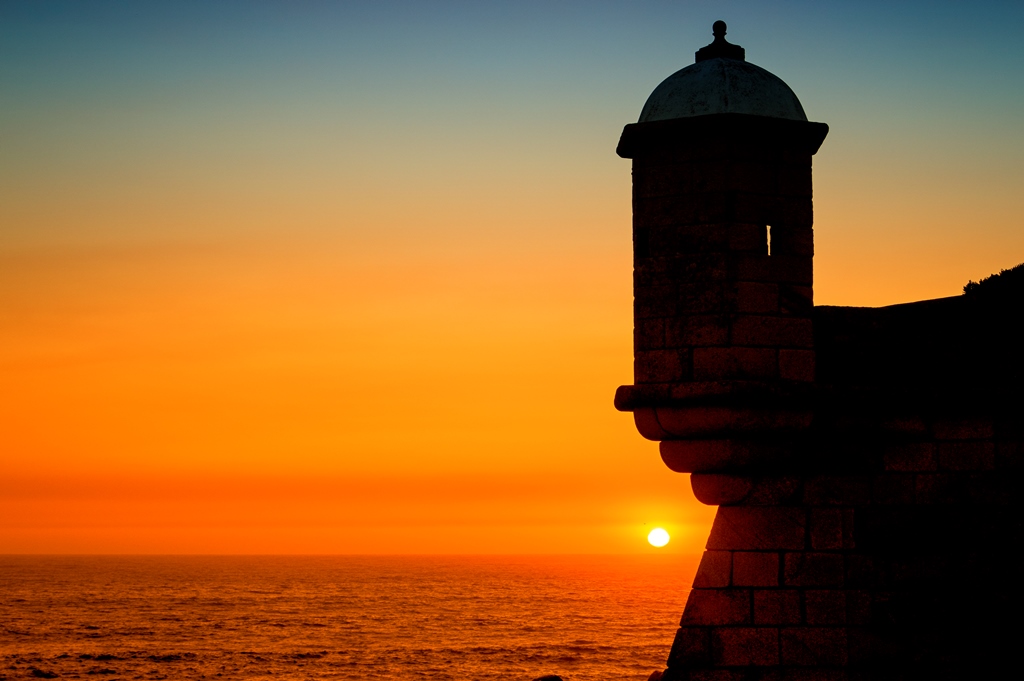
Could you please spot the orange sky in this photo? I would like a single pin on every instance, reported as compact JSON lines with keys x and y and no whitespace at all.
{"x":270,"y":291}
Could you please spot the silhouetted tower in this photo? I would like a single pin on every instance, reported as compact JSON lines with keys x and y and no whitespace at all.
{"x":723,"y":247}
{"x":866,"y":462}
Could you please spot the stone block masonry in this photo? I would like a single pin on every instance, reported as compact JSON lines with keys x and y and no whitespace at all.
{"x":711,"y":302}
{"x":902,"y":567}
{"x":866,"y":462}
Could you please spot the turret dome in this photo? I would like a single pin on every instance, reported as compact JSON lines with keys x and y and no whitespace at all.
{"x":721,"y":81}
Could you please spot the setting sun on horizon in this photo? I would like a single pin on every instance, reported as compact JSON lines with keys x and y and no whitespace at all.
{"x":356,"y":278}
{"x":658,"y":537}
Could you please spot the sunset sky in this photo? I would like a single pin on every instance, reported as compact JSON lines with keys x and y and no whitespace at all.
{"x":340,"y":277}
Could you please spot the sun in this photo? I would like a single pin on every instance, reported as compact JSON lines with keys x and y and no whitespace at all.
{"x":658,"y":537}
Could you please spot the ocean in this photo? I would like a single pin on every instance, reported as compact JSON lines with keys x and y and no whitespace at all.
{"x":339,"y":617}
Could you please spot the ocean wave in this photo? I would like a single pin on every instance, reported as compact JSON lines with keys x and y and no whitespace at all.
{"x":429,"y":620}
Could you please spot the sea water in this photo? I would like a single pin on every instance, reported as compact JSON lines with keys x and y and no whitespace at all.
{"x":498,"y":617}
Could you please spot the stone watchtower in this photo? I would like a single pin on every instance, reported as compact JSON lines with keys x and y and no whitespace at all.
{"x":865,"y":461}
{"x":723,"y":247}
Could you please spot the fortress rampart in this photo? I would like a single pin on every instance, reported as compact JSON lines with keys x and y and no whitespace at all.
{"x":866,"y":462}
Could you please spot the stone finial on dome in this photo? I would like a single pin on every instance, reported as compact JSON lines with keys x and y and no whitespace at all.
{"x":720,"y":47}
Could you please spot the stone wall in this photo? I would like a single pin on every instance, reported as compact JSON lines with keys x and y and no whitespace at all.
{"x":866,"y":462}
{"x":710,"y":302}
{"x":904,"y":565}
